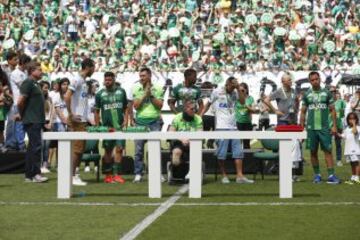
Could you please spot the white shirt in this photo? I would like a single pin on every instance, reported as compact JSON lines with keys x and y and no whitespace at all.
{"x":60,"y":103}
{"x":352,"y":143}
{"x":224,"y":108}
{"x":79,"y":99}
{"x":17,"y":77}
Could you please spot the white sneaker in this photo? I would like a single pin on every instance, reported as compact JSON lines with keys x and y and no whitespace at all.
{"x":225,"y":180}
{"x":137,"y":178}
{"x":39,"y":179}
{"x":187,"y":177}
{"x":76,"y":180}
{"x":339,"y":164}
{"x":44,"y":170}
{"x":244,"y":180}
{"x":163,"y":179}
{"x":87,"y":169}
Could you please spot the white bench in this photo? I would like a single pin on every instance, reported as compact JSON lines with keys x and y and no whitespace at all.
{"x":154,"y":165}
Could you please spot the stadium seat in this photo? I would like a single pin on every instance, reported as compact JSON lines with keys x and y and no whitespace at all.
{"x":91,"y":154}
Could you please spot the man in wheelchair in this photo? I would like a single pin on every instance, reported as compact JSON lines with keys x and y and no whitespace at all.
{"x":184,"y":121}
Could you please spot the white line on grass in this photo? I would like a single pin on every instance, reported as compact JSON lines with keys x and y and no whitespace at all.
{"x":190,"y":204}
{"x":133,"y":233}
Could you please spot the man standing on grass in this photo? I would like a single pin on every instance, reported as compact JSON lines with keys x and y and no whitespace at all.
{"x":111,"y":103}
{"x":147,"y":101}
{"x":316,"y":105}
{"x":76,"y":99}
{"x":31,"y":108}
{"x":223,"y":101}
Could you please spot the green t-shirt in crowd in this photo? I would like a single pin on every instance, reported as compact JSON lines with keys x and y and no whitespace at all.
{"x":34,"y":110}
{"x":242,"y":114}
{"x":187,"y":126}
{"x":147,"y":112}
{"x":112,"y":105}
{"x":317,"y":103}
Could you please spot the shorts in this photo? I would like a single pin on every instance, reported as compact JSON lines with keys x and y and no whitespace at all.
{"x":78,"y":146}
{"x":110,"y":144}
{"x":352,"y":158}
{"x":223,"y":145}
{"x":319,"y":136}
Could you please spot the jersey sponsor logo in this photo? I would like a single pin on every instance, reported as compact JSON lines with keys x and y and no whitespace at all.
{"x":113,"y":106}
{"x":318,"y":106}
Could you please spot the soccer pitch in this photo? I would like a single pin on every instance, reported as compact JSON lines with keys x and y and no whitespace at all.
{"x":233,"y":211}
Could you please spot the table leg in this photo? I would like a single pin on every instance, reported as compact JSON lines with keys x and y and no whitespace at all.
{"x":285,"y":169}
{"x":195,"y":172}
{"x":154,"y":174}
{"x":64,"y":169}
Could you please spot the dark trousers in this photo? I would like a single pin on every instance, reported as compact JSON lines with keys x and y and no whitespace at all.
{"x":33,"y":154}
{"x":264,"y":124}
{"x":245,"y":127}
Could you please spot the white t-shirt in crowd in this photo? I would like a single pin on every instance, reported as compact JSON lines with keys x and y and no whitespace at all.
{"x":352,"y":143}
{"x":224,"y":108}
{"x":79,"y":100}
{"x":17,"y":77}
{"x":60,"y":103}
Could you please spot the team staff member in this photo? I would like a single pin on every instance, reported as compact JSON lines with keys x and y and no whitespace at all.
{"x":31,"y":108}
{"x":111,"y":103}
{"x":147,"y":101}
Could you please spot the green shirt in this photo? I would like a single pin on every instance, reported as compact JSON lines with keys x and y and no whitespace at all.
{"x":34,"y":109}
{"x":147,"y":112}
{"x":340,"y":106}
{"x":112,"y":105}
{"x":181,"y":93}
{"x":242,"y":114}
{"x":317,"y":103}
{"x":184,"y":126}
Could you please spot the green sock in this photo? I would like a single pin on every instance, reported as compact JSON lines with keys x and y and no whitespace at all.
{"x":116,"y":168}
{"x":316,"y":169}
{"x":331,"y":171}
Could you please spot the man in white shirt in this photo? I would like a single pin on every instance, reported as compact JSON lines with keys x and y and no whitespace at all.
{"x":76,"y":99}
{"x":223,"y":102}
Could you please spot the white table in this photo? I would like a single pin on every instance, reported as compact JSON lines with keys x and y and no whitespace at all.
{"x":154,"y":164}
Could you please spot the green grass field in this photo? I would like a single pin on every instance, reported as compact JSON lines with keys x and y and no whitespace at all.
{"x":103,"y":211}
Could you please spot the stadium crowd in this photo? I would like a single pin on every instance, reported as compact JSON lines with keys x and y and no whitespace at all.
{"x":171,"y":35}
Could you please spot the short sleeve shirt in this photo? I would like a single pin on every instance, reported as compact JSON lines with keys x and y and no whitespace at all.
{"x":147,"y":112}
{"x":285,"y":103}
{"x":242,"y":114}
{"x":112,"y":105}
{"x":59,"y":103}
{"x":182,"y":126}
{"x":317,"y":103}
{"x":34,"y":111}
{"x":79,"y":100}
{"x":223,"y":104}
{"x":181,"y":93}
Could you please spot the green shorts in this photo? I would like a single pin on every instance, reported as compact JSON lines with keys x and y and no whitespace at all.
{"x":319,"y":136}
{"x":110,"y":144}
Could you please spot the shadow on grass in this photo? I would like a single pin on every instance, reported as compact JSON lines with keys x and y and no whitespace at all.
{"x":210,"y":195}
{"x":77,"y":195}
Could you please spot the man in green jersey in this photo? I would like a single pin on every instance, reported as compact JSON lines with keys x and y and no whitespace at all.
{"x":147,"y":101}
{"x":340,"y":106}
{"x":184,"y":121}
{"x":111,"y":102}
{"x":185,"y":91}
{"x":316,"y":105}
